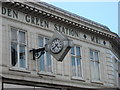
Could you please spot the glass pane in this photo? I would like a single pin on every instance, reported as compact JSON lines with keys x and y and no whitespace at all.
{"x":14,"y":58}
{"x":42,"y":64}
{"x":78,"y":51}
{"x":96,"y":56}
{"x":22,"y":56}
{"x":40,"y":42}
{"x":79,"y":67}
{"x":72,"y":51}
{"x":22,"y":37}
{"x":97,"y":73}
{"x":73,"y":66}
{"x":92,"y":70}
{"x":48,"y":61}
{"x":73,"y":61}
{"x":91,"y":54}
{"x":78,"y":61}
{"x":14,"y":35}
{"x":48,"y":58}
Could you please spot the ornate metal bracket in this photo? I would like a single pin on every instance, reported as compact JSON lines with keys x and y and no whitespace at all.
{"x":37,"y":53}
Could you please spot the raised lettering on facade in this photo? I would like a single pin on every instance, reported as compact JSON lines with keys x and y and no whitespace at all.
{"x":44,"y":23}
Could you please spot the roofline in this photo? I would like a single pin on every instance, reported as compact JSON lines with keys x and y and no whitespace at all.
{"x":76,"y":16}
{"x":24,"y":5}
{"x":73,"y":15}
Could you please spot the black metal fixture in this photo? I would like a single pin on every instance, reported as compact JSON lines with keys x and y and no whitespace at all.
{"x":37,"y":53}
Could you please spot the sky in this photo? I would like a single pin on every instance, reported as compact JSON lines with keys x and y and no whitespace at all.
{"x":103,"y":12}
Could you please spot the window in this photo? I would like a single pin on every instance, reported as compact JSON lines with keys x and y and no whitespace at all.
{"x":18,"y":48}
{"x":94,"y":64}
{"x":95,"y":39}
{"x":76,"y":61}
{"x":45,"y":61}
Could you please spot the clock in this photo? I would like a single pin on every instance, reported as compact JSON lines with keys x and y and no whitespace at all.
{"x":56,"y":46}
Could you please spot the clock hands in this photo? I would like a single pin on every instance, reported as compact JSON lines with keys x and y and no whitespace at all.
{"x":56,"y":46}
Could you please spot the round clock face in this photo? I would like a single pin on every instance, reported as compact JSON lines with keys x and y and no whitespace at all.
{"x":56,"y":46}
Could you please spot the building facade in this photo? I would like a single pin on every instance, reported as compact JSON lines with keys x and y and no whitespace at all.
{"x":91,"y":63}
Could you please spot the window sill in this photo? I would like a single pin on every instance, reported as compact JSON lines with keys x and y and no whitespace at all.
{"x":77,"y":78}
{"x":19,"y":69}
{"x":97,"y":82}
{"x":46,"y":74}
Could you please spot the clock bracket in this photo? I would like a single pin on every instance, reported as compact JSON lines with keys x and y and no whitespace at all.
{"x":37,"y":53}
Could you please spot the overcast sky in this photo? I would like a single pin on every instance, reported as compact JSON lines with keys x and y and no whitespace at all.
{"x":105,"y":13}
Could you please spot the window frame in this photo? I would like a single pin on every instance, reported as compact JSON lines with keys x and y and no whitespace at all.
{"x":38,"y":60}
{"x":95,"y":61}
{"x":81,"y":62}
{"x":18,"y":30}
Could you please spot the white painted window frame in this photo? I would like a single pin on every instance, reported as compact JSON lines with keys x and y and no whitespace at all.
{"x":18,"y":44}
{"x":93,"y":60}
{"x":38,"y":60}
{"x":81,"y":62}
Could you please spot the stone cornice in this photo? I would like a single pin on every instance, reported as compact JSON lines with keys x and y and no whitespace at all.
{"x":31,"y":9}
{"x":85,"y":20}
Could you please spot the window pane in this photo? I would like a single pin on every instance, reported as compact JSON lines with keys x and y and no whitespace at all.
{"x":76,"y":61}
{"x":91,"y":54}
{"x":48,"y":61}
{"x":40,"y":42}
{"x":96,"y":56}
{"x":73,"y":61}
{"x":42,"y":64}
{"x":72,"y":51}
{"x":48,"y":58}
{"x":73,"y":66}
{"x":22,"y":37}
{"x":22,"y":56}
{"x":97,"y":74}
{"x":14,"y":35}
{"x":94,"y":65}
{"x":14,"y":58}
{"x":78,"y":51}
{"x":79,"y":67}
{"x":92,"y":70}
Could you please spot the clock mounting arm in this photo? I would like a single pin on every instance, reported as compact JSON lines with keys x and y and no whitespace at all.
{"x":37,"y":53}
